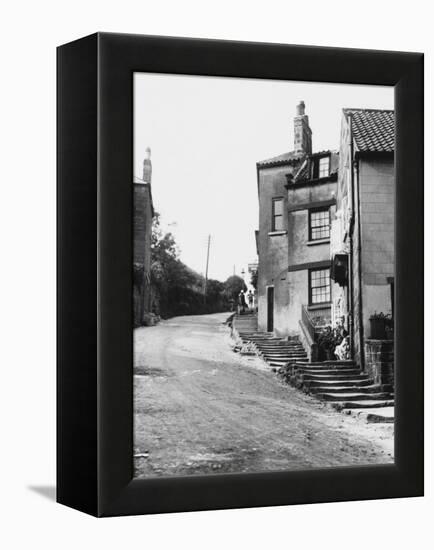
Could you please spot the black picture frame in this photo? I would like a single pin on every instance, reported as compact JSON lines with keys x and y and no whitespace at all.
{"x":94,"y":373}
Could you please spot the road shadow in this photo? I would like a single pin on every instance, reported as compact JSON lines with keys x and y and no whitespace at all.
{"x":47,"y":491}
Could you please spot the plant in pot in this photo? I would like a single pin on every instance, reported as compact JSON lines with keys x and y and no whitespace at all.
{"x":389,"y":329}
{"x":326,"y":344}
{"x":378,"y":322}
{"x":328,"y":339}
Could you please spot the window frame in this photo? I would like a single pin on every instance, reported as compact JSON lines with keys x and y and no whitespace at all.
{"x":316,"y":162}
{"x":314,"y":211}
{"x":327,"y":157}
{"x":274,"y":215}
{"x":311,"y":271}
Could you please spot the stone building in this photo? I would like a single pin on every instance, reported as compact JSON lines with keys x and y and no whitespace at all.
{"x":362,"y":234}
{"x":296,"y":193}
{"x":142,"y":230}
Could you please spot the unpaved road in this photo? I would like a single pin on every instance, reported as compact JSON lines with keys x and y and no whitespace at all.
{"x":201,"y":408}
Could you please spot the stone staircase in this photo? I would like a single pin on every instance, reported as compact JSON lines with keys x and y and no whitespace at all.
{"x":344,"y":386}
{"x":247,"y":322}
{"x":277,"y":352}
{"x":338,"y":383}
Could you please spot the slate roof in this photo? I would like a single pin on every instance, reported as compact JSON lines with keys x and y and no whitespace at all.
{"x":373,"y":130}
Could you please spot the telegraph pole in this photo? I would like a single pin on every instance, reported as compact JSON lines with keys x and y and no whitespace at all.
{"x":206,"y":270}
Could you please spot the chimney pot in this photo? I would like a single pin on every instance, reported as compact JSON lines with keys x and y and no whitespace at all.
{"x":147,"y":166}
{"x":300,"y":108}
{"x":302,"y":131}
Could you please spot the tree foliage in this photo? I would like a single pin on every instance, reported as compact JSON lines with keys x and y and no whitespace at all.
{"x":179,"y":289}
{"x":233,"y":286}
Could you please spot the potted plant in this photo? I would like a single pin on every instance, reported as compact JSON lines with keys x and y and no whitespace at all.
{"x":378,"y":322}
{"x":326,"y":344}
{"x":327,"y":341}
{"x":389,"y":329}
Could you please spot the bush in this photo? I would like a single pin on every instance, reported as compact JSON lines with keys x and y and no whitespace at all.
{"x":328,"y":339}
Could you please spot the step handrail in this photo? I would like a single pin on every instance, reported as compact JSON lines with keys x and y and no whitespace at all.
{"x":307,"y":322}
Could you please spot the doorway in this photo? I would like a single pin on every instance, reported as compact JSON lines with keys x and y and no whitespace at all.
{"x":270,"y":309}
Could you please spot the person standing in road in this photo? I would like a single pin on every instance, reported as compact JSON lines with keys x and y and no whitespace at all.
{"x":241,"y":303}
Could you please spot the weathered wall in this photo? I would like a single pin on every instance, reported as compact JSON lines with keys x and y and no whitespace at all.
{"x":374,"y":184}
{"x":377,"y":210}
{"x":300,"y":249}
{"x":379,"y":356}
{"x":142,"y":220}
{"x":374,"y":247}
{"x":142,"y":229}
{"x":290,"y":247}
{"x":298,"y":295}
{"x":340,"y":239}
{"x":340,"y":304}
{"x":273,"y":249}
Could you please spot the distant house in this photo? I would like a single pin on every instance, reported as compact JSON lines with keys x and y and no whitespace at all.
{"x":362,"y":250}
{"x":296,"y":201}
{"x":142,"y":229}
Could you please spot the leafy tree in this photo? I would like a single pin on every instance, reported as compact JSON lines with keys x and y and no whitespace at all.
{"x":179,"y":288}
{"x":233,"y":286}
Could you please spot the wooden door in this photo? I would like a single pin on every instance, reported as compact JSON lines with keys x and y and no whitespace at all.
{"x":270,"y":309}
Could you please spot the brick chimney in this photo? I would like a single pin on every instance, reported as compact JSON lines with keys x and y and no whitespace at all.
{"x":302,"y":131}
{"x":147,"y":166}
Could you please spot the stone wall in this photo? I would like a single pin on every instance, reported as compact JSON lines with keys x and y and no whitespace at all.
{"x":377,"y":202}
{"x":142,"y":230}
{"x":379,"y":361}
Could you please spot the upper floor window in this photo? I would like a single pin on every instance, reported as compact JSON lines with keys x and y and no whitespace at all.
{"x":319,"y":224}
{"x":321,"y":167}
{"x":319,"y":286}
{"x":277,"y":215}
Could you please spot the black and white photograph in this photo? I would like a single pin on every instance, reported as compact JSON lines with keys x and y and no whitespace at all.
{"x":263,"y":275}
{"x":216,"y":285}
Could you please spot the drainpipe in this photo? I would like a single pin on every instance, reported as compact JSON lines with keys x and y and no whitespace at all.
{"x":359,"y":266}
{"x":350,"y":297}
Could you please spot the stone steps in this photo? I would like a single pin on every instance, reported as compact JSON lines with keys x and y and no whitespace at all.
{"x":327,"y":369}
{"x":339,"y":383}
{"x":374,"y":404}
{"x":343,"y":372}
{"x":348,"y":362}
{"x":334,"y":377}
{"x":327,"y":384}
{"x":292,"y":356}
{"x":274,"y":363}
{"x":342,"y":385}
{"x":368,"y":389}
{"x":259,"y":340}
{"x":276,"y":351}
{"x":353,"y":396}
{"x":280,"y":349}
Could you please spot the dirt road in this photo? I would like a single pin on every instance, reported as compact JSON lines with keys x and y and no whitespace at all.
{"x":201,"y":408}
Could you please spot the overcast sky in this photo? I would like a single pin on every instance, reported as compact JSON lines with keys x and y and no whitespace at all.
{"x":206,"y":135}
